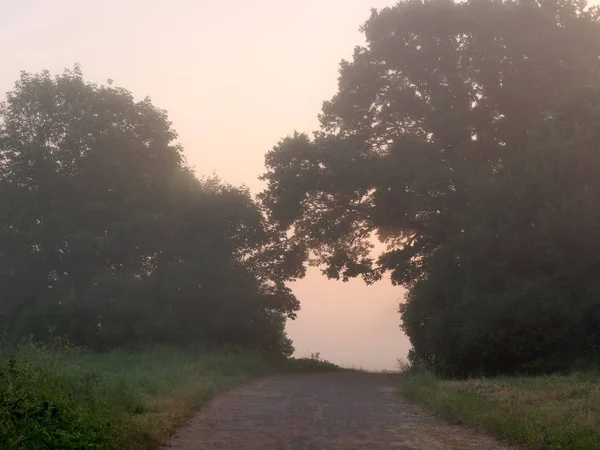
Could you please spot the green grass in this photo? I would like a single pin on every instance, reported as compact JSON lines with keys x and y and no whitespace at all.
{"x":120,"y":400}
{"x":545,"y":412}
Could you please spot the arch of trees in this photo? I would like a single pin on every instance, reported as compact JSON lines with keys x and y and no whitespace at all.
{"x":464,"y":135}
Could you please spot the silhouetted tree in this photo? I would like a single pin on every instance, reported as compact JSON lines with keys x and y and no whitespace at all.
{"x":460,"y":136}
{"x":108,"y":238}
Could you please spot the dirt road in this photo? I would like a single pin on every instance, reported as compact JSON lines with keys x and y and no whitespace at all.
{"x":338,"y":411}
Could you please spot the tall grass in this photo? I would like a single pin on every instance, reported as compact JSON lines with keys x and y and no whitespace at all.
{"x":546,"y":412}
{"x":65,"y":399}
{"x":42,"y":407}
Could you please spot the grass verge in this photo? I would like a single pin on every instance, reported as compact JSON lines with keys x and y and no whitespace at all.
{"x":545,"y":412}
{"x":60,"y":398}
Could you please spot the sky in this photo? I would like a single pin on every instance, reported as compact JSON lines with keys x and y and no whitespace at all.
{"x":235,"y":78}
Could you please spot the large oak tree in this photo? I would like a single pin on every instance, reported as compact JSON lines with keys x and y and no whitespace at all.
{"x":442,"y":140}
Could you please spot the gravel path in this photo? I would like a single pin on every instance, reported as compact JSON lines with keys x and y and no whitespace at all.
{"x":337,"y":411}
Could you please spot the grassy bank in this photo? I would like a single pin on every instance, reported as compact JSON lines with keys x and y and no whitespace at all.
{"x":546,"y":412}
{"x":71,"y":400}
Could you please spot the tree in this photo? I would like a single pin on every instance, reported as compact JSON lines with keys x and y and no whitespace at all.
{"x":108,"y":237}
{"x":433,"y":119}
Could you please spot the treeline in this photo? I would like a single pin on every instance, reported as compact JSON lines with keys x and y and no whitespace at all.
{"x":107,"y":237}
{"x":466,"y":135}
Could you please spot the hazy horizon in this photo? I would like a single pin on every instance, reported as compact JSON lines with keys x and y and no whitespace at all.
{"x":234,"y":79}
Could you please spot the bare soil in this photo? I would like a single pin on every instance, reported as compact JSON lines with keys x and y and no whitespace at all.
{"x":338,"y":411}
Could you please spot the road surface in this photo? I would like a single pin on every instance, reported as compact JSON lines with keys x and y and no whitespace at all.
{"x":337,"y":411}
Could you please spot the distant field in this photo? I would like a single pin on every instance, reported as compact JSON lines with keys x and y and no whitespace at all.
{"x":546,"y":412}
{"x":72,"y":400}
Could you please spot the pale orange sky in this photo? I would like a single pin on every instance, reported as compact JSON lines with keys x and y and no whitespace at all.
{"x":235,"y":77}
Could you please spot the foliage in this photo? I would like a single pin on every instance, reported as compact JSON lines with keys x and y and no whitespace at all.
{"x":37,"y":410}
{"x":464,"y":136}
{"x":56,"y":398}
{"x":109,"y":239}
{"x":518,"y":289}
{"x":550,"y":412}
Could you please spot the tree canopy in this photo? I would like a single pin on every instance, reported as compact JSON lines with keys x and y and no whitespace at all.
{"x":464,"y":135}
{"x":108,"y":238}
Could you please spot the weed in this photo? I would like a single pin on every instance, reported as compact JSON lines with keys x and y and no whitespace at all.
{"x":547,"y":412}
{"x":60,"y":397}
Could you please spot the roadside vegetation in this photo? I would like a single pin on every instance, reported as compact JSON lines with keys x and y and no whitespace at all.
{"x":109,"y":241}
{"x":549,"y":412}
{"x":61,"y":397}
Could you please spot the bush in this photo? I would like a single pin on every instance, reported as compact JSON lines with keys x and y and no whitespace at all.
{"x":43,"y":406}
